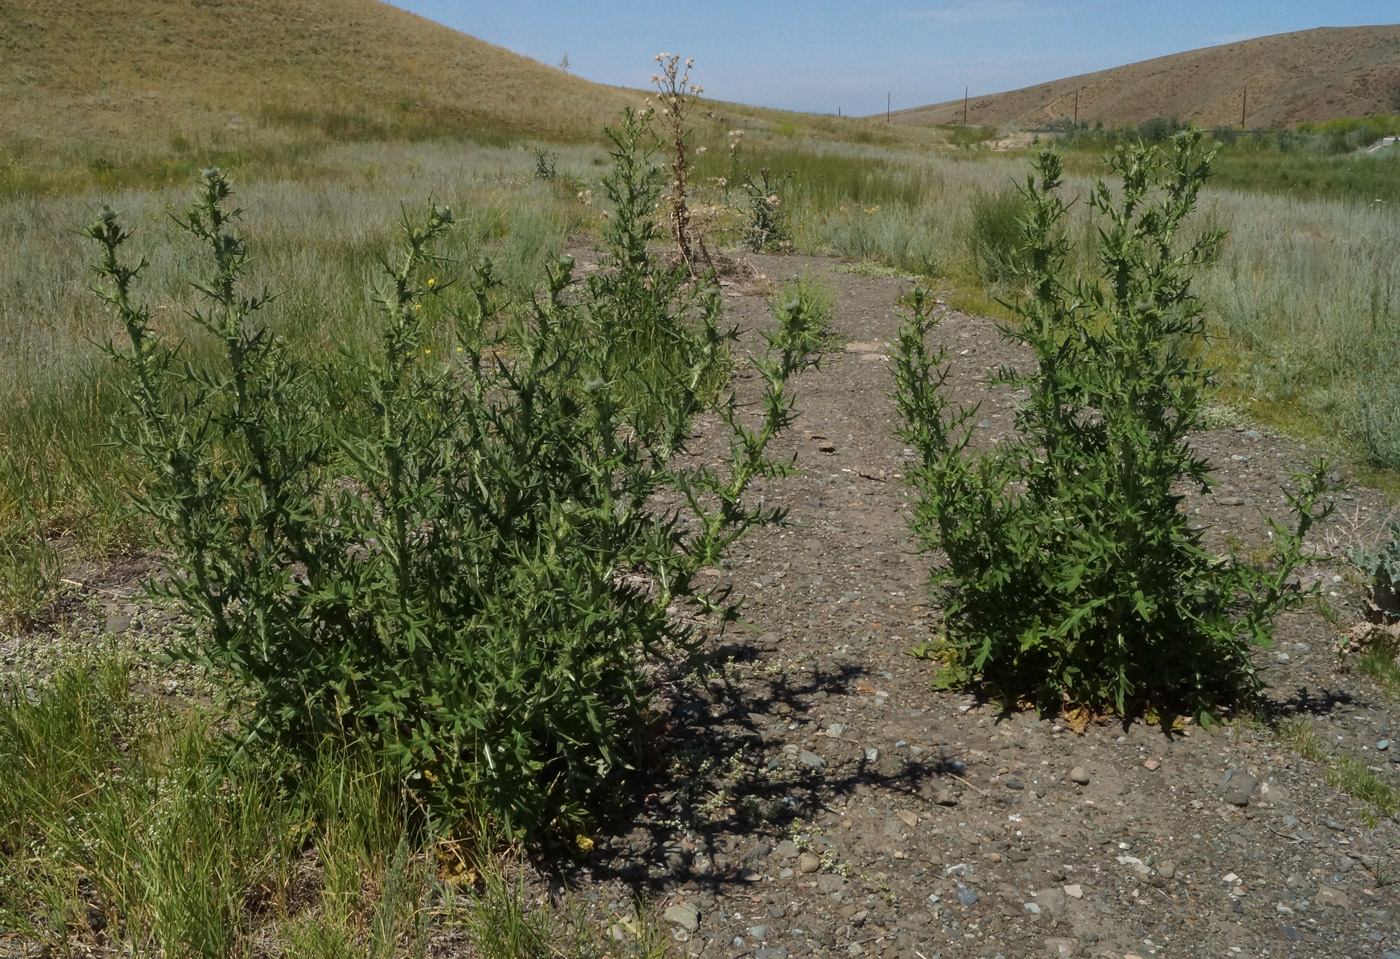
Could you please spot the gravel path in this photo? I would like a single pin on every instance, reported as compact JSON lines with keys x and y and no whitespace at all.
{"x":822,"y":801}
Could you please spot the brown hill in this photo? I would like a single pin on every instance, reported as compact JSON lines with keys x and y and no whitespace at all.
{"x":1291,"y":77}
{"x":127,"y":91}
{"x":130,"y":70}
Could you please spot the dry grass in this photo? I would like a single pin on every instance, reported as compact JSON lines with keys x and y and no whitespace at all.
{"x":121,"y":71}
{"x":138,"y":92}
{"x":1308,"y":75}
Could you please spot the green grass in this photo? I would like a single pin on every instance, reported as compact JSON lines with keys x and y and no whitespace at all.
{"x":1360,"y":177}
{"x":1315,"y":162}
{"x":1342,"y":771}
{"x":133,"y":824}
{"x":319,"y":239}
{"x":1306,"y":293}
{"x":1381,"y":665}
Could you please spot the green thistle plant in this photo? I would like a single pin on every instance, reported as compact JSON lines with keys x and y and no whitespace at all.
{"x":1073,"y":576}
{"x":461,"y":566}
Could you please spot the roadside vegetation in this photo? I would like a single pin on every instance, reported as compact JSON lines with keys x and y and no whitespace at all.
{"x":1067,"y":539}
{"x":424,"y":492}
{"x":1332,"y":160}
{"x":428,"y":571}
{"x":1305,"y":297}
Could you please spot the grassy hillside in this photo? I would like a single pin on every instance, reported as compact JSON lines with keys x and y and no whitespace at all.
{"x":127,"y":71}
{"x":109,"y":94}
{"x":1308,"y":75}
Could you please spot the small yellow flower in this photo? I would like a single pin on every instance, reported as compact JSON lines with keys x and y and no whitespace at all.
{"x":584,"y":842}
{"x":418,"y":306}
{"x":432,"y":281}
{"x":427,"y":352}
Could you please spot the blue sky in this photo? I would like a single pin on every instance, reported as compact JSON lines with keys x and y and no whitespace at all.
{"x":819,"y":55}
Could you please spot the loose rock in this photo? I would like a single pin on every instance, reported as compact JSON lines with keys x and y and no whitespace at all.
{"x":1239,"y":788}
{"x":683,"y":915}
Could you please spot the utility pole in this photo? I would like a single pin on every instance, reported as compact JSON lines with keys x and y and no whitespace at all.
{"x":887,"y":108}
{"x":1244,"y":108}
{"x":965,"y":106}
{"x":1076,"y":106}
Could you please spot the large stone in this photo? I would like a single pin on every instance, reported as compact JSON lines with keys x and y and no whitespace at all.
{"x":1239,"y":789}
{"x":1064,"y":948}
{"x":1051,"y":902}
{"x":939,"y":795}
{"x":684,"y":915}
{"x":1330,"y":897}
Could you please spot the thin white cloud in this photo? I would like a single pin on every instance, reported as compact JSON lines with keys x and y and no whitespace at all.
{"x":981,"y":11}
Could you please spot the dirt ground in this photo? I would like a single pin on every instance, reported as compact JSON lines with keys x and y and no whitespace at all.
{"x":817,"y":798}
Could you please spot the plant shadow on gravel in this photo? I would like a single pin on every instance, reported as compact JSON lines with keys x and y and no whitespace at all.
{"x":710,"y":724}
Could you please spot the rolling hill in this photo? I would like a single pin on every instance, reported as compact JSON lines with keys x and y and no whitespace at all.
{"x":114,"y":92}
{"x":130,"y":71}
{"x":1291,"y":77}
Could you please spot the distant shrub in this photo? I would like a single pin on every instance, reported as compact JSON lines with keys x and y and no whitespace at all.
{"x":814,"y":300}
{"x":994,"y":233}
{"x":765,"y":219}
{"x":466,"y":568}
{"x":546,"y":164}
{"x":1073,"y":576}
{"x":677,"y":96}
{"x":1158,"y":129}
{"x":1378,"y":413}
{"x":969,"y":136}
